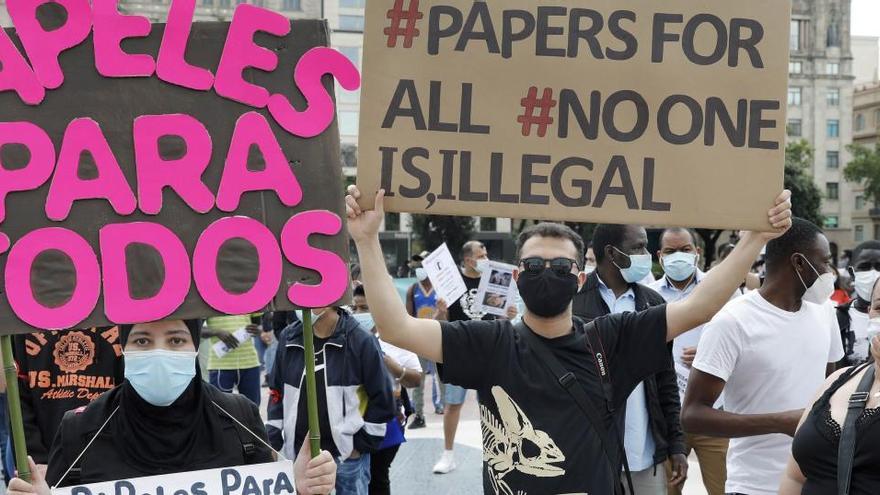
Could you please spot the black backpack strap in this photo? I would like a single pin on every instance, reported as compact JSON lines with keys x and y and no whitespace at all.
{"x":568,"y":381}
{"x":71,"y":446}
{"x":847,"y":448}
{"x":237,"y":406}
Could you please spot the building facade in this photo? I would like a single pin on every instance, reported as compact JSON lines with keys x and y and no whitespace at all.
{"x":820,"y":104}
{"x":866,"y":132}
{"x":866,"y":59}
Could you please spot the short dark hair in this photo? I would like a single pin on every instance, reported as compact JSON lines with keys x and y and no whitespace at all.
{"x":681,"y":230}
{"x":359,"y":291}
{"x":553,"y":230}
{"x":467,"y":249}
{"x":801,"y":234}
{"x":867,"y":245}
{"x":607,"y":234}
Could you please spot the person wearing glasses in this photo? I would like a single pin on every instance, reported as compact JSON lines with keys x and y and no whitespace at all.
{"x":537,"y":437}
{"x":853,"y":316}
{"x":769,"y":351}
{"x":651,"y":431}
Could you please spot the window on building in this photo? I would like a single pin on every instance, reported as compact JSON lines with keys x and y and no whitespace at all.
{"x":833,"y":37}
{"x":292,"y":5}
{"x":832,"y":190}
{"x":832,"y":68}
{"x":877,"y":118}
{"x":348,"y":123}
{"x":832,"y":159}
{"x":488,"y":224}
{"x":392,"y":221}
{"x":795,"y":67}
{"x":798,"y":39}
{"x":794,"y":97}
{"x":860,"y":202}
{"x":860,"y":122}
{"x":832,"y":98}
{"x":352,"y":53}
{"x":793,"y":128}
{"x":223,"y":3}
{"x":860,"y":233}
{"x":351,"y":23}
{"x":831,"y":222}
{"x":352,"y":4}
{"x":833,"y":126}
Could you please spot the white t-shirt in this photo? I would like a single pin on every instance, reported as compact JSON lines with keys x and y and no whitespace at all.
{"x":405,"y":358}
{"x":858,"y":324}
{"x":772,"y":361}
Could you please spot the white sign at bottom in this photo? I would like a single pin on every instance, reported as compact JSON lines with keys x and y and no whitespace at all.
{"x":273,"y":478}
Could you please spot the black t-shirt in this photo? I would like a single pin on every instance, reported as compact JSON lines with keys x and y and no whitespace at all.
{"x":536,"y":440}
{"x":466,"y":307}
{"x":302,"y":416}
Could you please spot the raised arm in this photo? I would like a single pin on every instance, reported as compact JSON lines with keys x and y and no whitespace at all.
{"x":420,"y":336}
{"x":720,"y":283}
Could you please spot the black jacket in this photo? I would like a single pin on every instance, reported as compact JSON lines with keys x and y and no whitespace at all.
{"x":102,"y":461}
{"x":661,"y":390}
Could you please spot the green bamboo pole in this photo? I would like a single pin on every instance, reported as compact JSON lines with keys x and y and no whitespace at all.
{"x":14,"y":402}
{"x":311,"y":387}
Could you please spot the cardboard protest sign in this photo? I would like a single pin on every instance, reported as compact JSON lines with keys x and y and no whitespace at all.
{"x":194,"y":173}
{"x":621,"y":111}
{"x":497,"y":290}
{"x":273,"y":478}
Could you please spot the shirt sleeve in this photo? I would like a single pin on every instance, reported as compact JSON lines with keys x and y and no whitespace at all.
{"x":469,"y":349}
{"x":410,"y":361}
{"x":835,"y":350}
{"x":636,"y":346}
{"x":720,"y":346}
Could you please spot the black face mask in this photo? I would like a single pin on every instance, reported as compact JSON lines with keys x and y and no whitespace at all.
{"x":547,"y":293}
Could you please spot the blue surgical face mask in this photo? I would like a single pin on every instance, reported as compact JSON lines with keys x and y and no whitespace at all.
{"x":160,"y":376}
{"x":365,"y":320}
{"x":679,"y":266}
{"x":639,"y":266}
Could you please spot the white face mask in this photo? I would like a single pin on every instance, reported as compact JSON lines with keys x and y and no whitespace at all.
{"x":588,"y":269}
{"x":821,"y":290}
{"x":874,"y":334}
{"x":421,"y":274}
{"x":864,"y":283}
{"x":317,"y":316}
{"x":482,"y":265}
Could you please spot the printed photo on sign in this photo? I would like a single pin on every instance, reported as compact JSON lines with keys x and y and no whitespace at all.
{"x":497,"y":291}
{"x":444,"y":274}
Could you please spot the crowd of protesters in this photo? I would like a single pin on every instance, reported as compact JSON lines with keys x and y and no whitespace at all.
{"x":749,"y":364}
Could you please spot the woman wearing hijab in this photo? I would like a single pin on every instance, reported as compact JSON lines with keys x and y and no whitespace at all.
{"x":164,"y":419}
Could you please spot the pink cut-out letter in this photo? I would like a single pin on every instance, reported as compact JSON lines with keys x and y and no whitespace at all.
{"x":333,"y":271}
{"x":111,"y":28}
{"x":205,"y":265}
{"x":18,"y":278}
{"x":84,"y":134}
{"x":253,"y":129}
{"x":16,"y":74}
{"x":184,"y":174}
{"x":39,"y":168}
{"x":119,"y":306}
{"x":240,"y":52}
{"x":171,"y":66}
{"x":43,"y":47}
{"x":308,"y":73}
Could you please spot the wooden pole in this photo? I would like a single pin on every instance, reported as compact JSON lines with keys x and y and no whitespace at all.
{"x":14,"y":403}
{"x":311,"y":390}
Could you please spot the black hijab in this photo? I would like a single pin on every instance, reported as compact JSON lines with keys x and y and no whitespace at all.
{"x":181,"y":437}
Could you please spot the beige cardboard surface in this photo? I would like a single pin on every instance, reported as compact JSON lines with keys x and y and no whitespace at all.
{"x":442,"y":107}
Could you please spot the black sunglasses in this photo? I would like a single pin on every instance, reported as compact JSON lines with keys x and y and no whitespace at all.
{"x":537,"y":264}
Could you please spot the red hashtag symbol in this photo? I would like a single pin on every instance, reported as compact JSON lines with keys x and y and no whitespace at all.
{"x":528,"y":118}
{"x":398,"y":14}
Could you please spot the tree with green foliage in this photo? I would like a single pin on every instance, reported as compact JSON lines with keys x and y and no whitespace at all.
{"x":806,"y":197}
{"x":865,"y":169}
{"x":433,"y":230}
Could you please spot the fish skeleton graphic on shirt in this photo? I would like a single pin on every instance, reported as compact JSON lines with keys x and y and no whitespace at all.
{"x":503,"y":444}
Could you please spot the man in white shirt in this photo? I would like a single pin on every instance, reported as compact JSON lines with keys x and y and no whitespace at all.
{"x":679,"y":257}
{"x":769,"y":351}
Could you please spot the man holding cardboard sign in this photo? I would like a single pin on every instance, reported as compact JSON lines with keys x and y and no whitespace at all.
{"x":522,"y":401}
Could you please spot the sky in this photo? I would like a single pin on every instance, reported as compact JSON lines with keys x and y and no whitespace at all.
{"x":866,"y":17}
